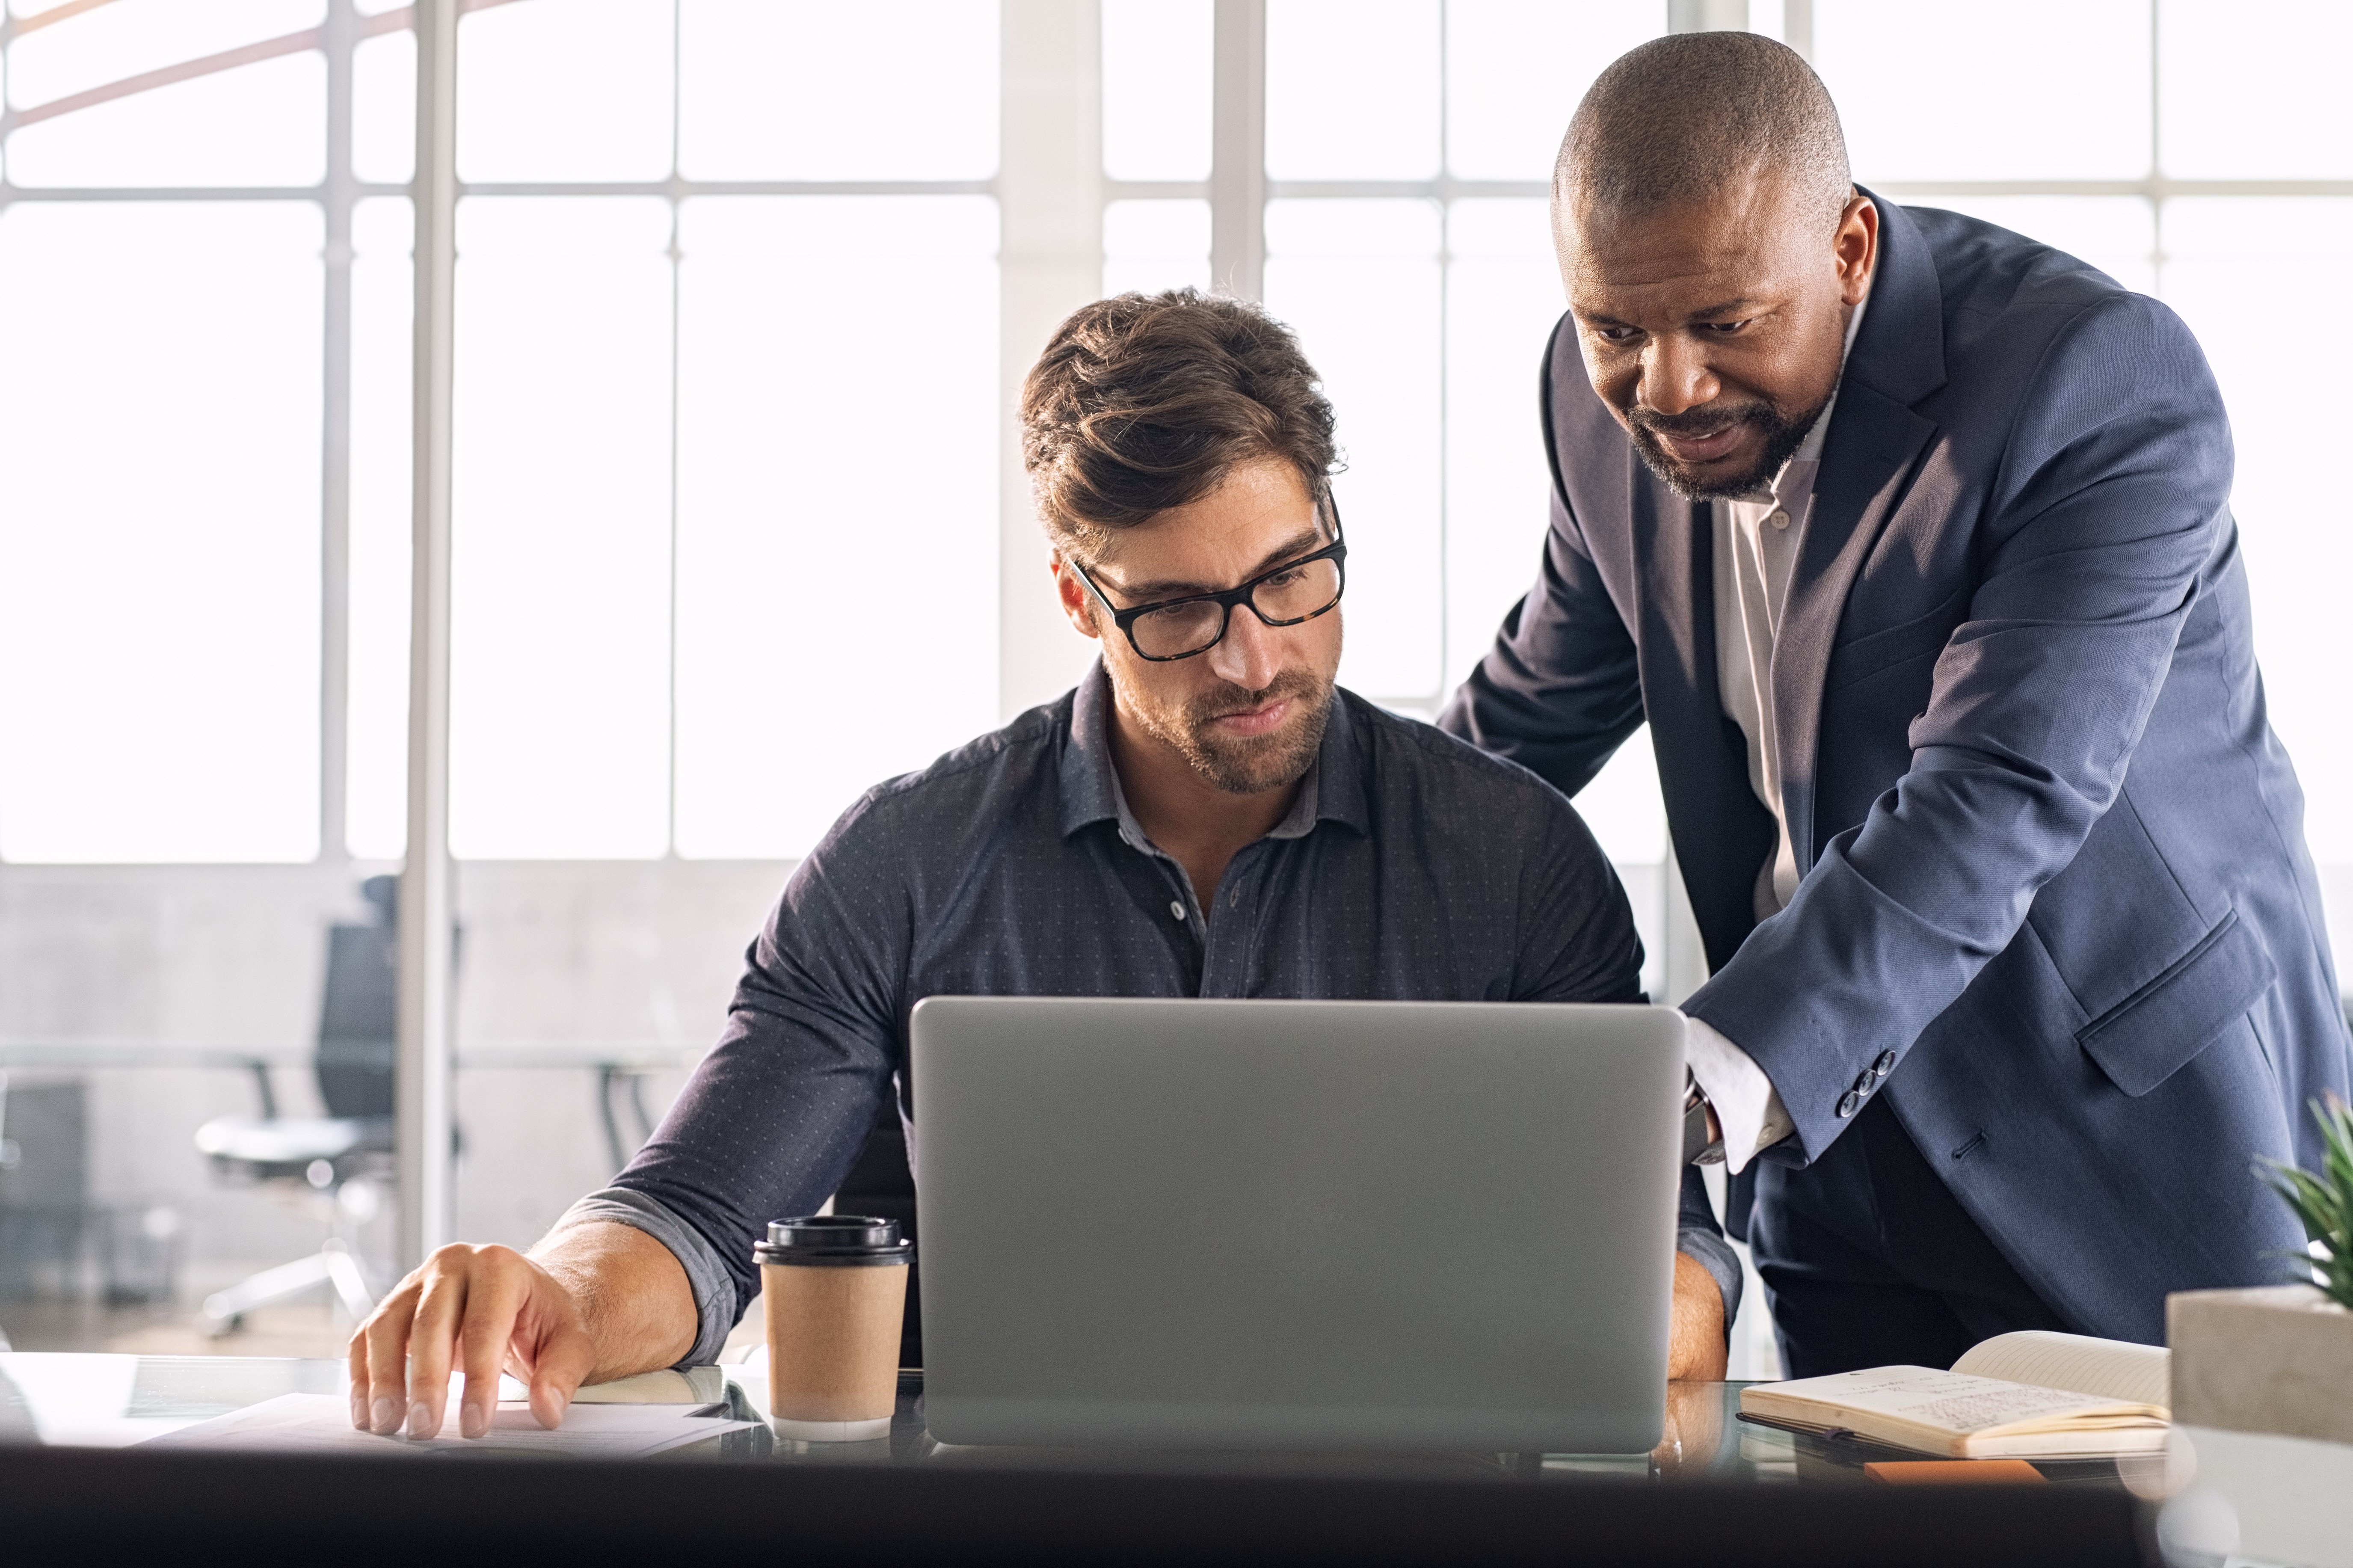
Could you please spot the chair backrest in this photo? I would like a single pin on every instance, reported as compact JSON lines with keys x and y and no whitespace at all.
{"x":358,"y":1013}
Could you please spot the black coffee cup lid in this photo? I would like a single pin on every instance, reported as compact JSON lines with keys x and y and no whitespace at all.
{"x":833,"y":1240}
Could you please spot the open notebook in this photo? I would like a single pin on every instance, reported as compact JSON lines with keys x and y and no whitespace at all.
{"x":2024,"y":1396}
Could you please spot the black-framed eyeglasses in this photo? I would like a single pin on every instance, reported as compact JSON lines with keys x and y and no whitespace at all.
{"x":1293,"y":593}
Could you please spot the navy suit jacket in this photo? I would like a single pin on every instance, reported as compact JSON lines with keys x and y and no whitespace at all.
{"x":2050,"y":854}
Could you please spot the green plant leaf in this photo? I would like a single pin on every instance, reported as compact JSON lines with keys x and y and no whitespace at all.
{"x":2322,"y":1203}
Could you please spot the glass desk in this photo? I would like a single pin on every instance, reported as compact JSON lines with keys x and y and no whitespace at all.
{"x":1717,"y":1488}
{"x":119,"y":1401}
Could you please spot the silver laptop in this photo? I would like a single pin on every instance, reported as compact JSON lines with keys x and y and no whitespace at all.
{"x":1337,"y":1225}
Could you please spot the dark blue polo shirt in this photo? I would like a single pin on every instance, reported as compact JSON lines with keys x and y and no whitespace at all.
{"x":1411,"y":867}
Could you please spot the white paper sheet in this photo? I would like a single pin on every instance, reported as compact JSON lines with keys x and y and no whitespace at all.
{"x":322,"y":1424}
{"x":2108,"y":1368}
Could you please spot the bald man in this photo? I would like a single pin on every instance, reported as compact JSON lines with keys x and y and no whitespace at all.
{"x":1910,"y":537}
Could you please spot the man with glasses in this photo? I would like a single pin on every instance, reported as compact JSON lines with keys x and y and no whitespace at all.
{"x":1205,"y":814}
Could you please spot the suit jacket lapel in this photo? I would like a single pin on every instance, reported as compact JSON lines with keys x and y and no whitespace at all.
{"x":1676,"y":550}
{"x":1864,"y":469}
{"x":1721,"y":833}
{"x":1874,"y":440}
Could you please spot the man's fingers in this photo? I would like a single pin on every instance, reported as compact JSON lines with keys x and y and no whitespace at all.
{"x":358,"y":1377}
{"x":474,"y":1307}
{"x":557,"y":1372}
{"x":386,"y":1352}
{"x":432,"y":1336}
{"x":496,"y":1300}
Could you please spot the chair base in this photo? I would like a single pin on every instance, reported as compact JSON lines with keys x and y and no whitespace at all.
{"x":332,"y":1264}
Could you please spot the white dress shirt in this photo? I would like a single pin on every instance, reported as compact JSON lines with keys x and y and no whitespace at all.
{"x":1756,"y":545}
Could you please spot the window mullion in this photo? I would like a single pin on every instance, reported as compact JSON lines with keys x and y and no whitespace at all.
{"x":338,"y":194}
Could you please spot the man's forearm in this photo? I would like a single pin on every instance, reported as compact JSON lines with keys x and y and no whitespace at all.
{"x":632,"y":1294}
{"x":1695,"y":1342}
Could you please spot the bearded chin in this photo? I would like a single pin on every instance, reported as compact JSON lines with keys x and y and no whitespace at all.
{"x":1782,"y":439}
{"x":1258,"y":763}
{"x":1253,"y":767}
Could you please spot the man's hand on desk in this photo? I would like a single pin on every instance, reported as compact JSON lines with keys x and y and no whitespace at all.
{"x":591,"y":1303}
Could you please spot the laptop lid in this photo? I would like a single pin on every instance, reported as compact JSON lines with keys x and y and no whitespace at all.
{"x":1272,"y":1223}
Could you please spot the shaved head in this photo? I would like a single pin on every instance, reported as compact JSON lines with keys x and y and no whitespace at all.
{"x":1679,"y":120}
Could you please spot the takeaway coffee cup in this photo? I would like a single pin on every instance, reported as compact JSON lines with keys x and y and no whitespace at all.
{"x":835,"y":1289}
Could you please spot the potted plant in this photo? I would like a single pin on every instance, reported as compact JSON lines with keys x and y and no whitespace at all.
{"x":2280,"y":1360}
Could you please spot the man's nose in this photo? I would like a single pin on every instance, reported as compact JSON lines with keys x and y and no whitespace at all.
{"x":1250,"y":654}
{"x":1676,"y":375}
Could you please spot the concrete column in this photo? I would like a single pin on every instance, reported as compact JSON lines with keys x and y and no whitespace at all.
{"x":1049,"y":195}
{"x":1707,"y":15}
{"x":335,"y":465}
{"x":1238,"y":159}
{"x":427,"y":1162}
{"x":1797,"y":27}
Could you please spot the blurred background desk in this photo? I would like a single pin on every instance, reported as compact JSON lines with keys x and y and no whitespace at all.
{"x":619,"y":1070}
{"x":81,"y":1267}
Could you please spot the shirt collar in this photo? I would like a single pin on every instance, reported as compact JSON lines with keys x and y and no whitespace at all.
{"x":1332,"y":791}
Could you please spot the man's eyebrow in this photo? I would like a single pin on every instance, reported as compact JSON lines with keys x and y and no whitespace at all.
{"x":1705,"y":313}
{"x":1303,"y":542}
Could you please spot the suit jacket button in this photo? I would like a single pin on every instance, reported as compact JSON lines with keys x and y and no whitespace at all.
{"x":1885,"y":1064}
{"x":1863,"y":1081}
{"x":1850,"y":1103}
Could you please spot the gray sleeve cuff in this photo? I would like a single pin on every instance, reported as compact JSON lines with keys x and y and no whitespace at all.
{"x":714,"y":1289}
{"x":1714,"y":1254}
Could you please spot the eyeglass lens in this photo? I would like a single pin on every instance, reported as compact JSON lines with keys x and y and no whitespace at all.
{"x":1290,"y":595}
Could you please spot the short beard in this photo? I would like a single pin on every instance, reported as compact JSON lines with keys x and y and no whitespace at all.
{"x":1256,"y":764}
{"x":1782,"y":439}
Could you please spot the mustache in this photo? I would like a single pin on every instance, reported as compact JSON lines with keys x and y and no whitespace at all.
{"x":1231,"y":699}
{"x":1706,"y":420}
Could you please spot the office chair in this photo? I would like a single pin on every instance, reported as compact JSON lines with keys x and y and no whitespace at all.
{"x":343,"y":1155}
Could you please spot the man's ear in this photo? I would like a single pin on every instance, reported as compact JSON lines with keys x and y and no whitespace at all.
{"x":1077,"y":603}
{"x":1857,"y":247}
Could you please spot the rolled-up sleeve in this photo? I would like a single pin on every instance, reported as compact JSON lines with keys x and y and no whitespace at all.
{"x":716,"y":1303}
{"x":1699,"y":1237}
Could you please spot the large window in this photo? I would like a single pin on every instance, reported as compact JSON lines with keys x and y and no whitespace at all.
{"x":726,"y":420}
{"x":731,"y":462}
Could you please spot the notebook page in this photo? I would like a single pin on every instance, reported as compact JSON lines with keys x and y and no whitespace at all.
{"x":1947,"y":1402}
{"x":2077,"y":1362}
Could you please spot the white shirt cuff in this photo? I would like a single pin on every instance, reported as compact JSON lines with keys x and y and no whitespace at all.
{"x":1747,"y":1107}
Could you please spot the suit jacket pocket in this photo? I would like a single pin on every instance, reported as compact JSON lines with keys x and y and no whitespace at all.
{"x":2145,"y":1038}
{"x":1859,"y":658}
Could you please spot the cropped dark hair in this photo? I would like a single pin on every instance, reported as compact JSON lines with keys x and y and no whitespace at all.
{"x":1143,"y":402}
